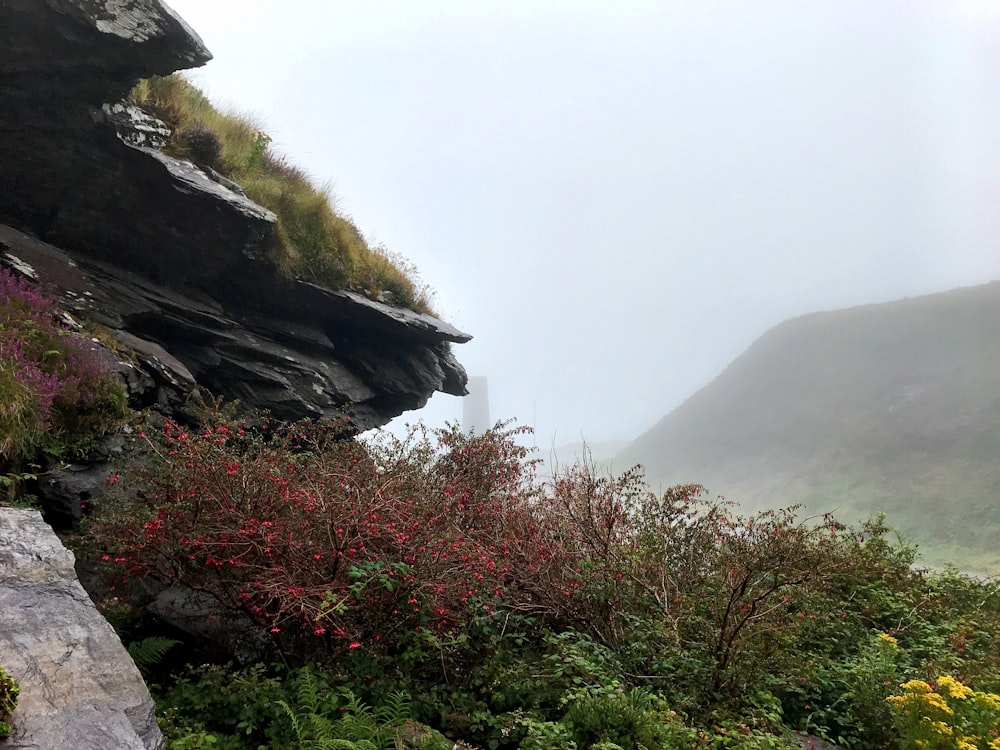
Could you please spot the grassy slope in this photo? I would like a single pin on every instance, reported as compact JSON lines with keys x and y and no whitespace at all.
{"x":313,"y":241}
{"x":892,"y":407}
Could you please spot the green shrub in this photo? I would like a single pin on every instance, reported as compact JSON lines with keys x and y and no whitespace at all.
{"x":9,"y":692}
{"x":236,"y":708}
{"x":844,"y":699}
{"x":585,"y":613}
{"x":712,"y":592}
{"x":306,"y":709}
{"x":631,"y":719}
{"x":202,"y":144}
{"x":947,"y":715}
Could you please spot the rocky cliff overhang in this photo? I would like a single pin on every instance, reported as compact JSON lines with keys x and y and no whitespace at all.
{"x":171,"y":259}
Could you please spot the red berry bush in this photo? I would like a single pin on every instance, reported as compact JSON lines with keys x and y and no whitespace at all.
{"x":345,"y":540}
{"x":357,"y":544}
{"x":514,"y":609}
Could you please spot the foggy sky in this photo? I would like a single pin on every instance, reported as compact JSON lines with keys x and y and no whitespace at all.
{"x":617,"y":198}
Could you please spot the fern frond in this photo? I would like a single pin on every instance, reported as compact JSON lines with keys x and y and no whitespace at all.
{"x":320,"y":734}
{"x":395,"y":708}
{"x":358,"y":727}
{"x":315,"y":732}
{"x":293,"y":718}
{"x":307,"y":695}
{"x":150,"y":651}
{"x":356,"y":706}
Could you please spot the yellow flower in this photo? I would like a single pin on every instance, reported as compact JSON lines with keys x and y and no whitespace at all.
{"x":967,"y":743}
{"x":886,"y":638}
{"x":916,"y":686}
{"x":897,"y":701}
{"x":990,"y":700}
{"x":939,"y":727}
{"x":953,"y":688}
{"x":933,"y":700}
{"x":995,"y":744}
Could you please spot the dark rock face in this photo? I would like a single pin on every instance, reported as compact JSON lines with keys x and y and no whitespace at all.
{"x":167,"y":256}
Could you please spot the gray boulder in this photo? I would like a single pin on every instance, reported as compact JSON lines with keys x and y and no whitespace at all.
{"x":79,"y":688}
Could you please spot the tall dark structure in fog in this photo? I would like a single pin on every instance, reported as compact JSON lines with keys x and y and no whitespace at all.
{"x":476,"y":406}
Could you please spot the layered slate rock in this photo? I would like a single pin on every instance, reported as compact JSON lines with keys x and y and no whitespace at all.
{"x":299,"y":351}
{"x":171,"y":258}
{"x":79,"y":688}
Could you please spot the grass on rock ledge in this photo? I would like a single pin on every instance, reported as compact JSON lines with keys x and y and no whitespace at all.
{"x":313,"y":241}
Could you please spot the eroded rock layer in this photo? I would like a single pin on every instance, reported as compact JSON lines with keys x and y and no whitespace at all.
{"x":170,"y":258}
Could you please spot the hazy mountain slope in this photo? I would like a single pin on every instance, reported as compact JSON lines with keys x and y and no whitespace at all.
{"x":892,"y":407}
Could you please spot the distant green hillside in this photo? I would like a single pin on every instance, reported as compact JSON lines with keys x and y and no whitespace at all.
{"x":892,"y":407}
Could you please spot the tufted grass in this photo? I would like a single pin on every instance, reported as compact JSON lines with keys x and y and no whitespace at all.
{"x":313,"y":241}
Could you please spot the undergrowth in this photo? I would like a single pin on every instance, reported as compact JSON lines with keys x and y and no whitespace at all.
{"x":586,"y":613}
{"x":55,"y":390}
{"x":10,"y":690}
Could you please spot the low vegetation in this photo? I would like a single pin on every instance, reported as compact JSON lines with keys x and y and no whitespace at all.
{"x":56,"y":391}
{"x":313,"y":241}
{"x":948,"y":714}
{"x":430,"y":584}
{"x":9,"y":692}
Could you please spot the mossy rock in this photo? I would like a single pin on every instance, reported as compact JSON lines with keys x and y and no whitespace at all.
{"x":416,"y":736}
{"x":9,"y":691}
